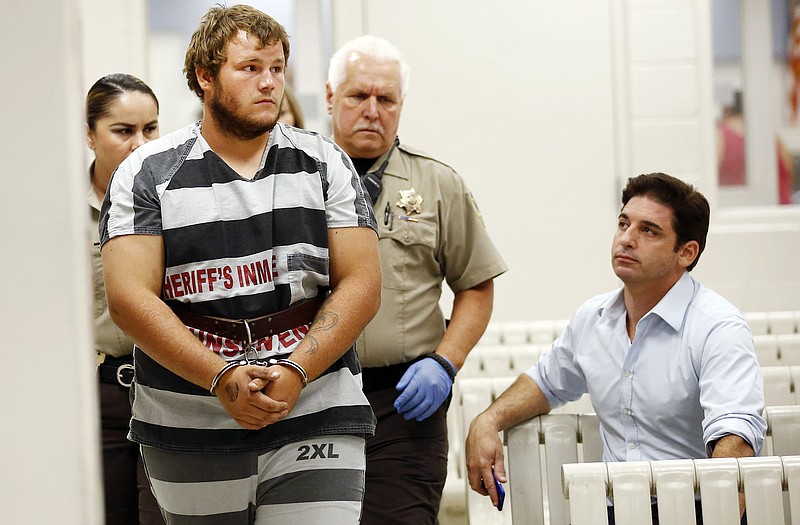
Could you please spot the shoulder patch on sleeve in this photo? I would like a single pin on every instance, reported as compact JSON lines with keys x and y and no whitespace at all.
{"x":474,"y":203}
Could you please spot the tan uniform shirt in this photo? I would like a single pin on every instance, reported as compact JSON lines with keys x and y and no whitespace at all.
{"x":447,"y":240}
{"x":108,"y":338}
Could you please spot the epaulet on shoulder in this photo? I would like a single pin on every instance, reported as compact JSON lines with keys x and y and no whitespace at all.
{"x":419,"y":153}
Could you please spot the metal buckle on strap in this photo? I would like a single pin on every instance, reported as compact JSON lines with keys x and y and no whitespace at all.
{"x":251,"y":348}
{"x":125,"y":373}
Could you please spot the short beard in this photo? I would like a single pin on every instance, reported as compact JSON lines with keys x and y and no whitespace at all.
{"x":235,"y":126}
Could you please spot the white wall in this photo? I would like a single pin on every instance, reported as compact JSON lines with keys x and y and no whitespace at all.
{"x":546,"y":108}
{"x":49,"y":443}
{"x":518,"y":98}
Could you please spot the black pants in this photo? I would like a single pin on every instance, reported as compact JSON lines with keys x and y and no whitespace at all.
{"x":406,"y":461}
{"x":128,"y":499}
{"x":654,"y":510}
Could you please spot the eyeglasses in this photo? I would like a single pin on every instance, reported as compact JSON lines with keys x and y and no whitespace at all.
{"x":373,"y":180}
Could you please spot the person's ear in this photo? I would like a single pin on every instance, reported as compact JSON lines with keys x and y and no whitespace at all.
{"x":89,"y":137}
{"x":688,"y":253}
{"x":329,"y":98}
{"x":204,"y":78}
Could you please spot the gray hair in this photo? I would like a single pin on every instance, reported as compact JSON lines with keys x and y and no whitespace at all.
{"x":369,"y":46}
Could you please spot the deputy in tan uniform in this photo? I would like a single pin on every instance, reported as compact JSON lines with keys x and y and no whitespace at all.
{"x":430,"y":230}
{"x":121,"y":115}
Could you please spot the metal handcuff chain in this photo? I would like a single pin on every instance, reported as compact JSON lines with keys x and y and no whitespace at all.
{"x":252,"y":346}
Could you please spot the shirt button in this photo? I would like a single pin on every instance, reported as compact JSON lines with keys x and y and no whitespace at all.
{"x":626,"y":411}
{"x":632,"y":445}
{"x":627,"y":373}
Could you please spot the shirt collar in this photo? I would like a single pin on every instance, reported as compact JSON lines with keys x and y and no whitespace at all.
{"x":671,"y":308}
{"x":393,"y":167}
{"x":612,"y":307}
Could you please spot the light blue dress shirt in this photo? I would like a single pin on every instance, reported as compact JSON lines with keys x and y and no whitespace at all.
{"x":689,"y":377}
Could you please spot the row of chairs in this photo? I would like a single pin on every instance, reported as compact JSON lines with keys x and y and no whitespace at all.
{"x":771,"y":487}
{"x":778,"y":349}
{"x":501,"y":360}
{"x":546,"y":331}
{"x":514,"y":359}
{"x":509,"y":349}
{"x":773,"y":323}
{"x":473,"y":395}
{"x":522,"y":332}
{"x":470,"y":397}
{"x":538,"y":448}
{"x":781,"y":385}
{"x":496,"y":360}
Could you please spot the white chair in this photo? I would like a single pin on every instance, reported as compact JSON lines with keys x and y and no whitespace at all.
{"x":476,"y":395}
{"x":758,"y":322}
{"x":536,"y":451}
{"x":795,"y":373}
{"x":515,"y":333}
{"x":542,"y":332}
{"x":473,"y":364}
{"x":717,"y":481}
{"x":783,"y":430}
{"x":766,"y":347}
{"x":778,"y":386}
{"x":523,"y":357}
{"x":493,"y":335}
{"x":789,"y":349}
{"x":495,"y":360}
{"x":783,"y":322}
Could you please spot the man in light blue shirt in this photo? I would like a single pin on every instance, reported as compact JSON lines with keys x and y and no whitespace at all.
{"x":668,"y":364}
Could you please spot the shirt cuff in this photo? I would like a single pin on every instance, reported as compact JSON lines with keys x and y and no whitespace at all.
{"x":751,"y":429}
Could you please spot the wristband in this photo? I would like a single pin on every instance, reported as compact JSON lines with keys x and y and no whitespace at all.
{"x":294,"y":366}
{"x":228,"y":366}
{"x":451,"y":372}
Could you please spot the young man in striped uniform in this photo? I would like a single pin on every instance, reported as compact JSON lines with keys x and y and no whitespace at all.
{"x":241,"y":257}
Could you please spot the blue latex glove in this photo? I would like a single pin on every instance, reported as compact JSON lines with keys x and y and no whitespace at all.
{"x":423,"y":387}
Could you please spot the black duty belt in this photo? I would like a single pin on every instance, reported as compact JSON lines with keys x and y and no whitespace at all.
{"x":382,"y":377}
{"x":116,"y":370}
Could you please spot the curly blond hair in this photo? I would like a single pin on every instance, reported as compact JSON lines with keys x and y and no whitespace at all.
{"x":219,"y":26}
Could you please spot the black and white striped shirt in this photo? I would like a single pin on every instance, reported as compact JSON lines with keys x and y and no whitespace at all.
{"x":239,"y":248}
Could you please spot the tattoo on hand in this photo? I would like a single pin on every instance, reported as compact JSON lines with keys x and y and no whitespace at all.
{"x":233,"y":392}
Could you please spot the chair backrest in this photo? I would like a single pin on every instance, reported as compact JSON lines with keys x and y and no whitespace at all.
{"x":779,"y":388}
{"x":536,"y":451}
{"x":476,"y":395}
{"x":789,"y":349}
{"x":773,"y":322}
{"x":675,"y":483}
{"x":795,"y":372}
{"x":538,"y":448}
{"x":525,"y":356}
{"x":758,"y":322}
{"x":767,"y":350}
{"x":783,"y":430}
{"x":782,"y":322}
{"x":523,"y":332}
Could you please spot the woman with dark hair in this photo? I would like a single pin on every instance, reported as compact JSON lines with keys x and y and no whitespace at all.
{"x":121,"y":115}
